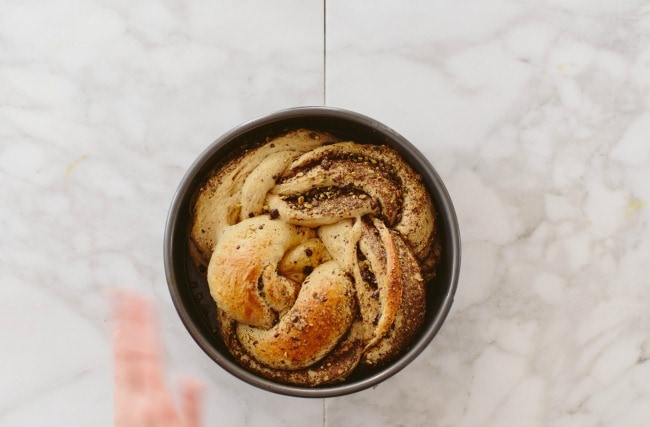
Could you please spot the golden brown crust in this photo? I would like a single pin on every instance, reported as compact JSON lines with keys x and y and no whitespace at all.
{"x":377,"y":274}
{"x":320,"y":316}
{"x":410,"y":316}
{"x":219,"y":201}
{"x":417,"y":219}
{"x":336,"y":366}
{"x":317,"y":253}
{"x":243,"y":267}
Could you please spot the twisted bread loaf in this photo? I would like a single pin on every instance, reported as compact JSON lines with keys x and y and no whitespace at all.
{"x":317,"y":251}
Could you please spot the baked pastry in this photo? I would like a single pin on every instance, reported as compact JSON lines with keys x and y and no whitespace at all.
{"x":316,"y":251}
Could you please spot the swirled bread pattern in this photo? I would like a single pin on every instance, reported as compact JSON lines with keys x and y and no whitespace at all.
{"x":316,"y":252}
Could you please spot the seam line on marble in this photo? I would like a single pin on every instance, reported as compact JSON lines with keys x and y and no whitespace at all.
{"x":324,"y":52}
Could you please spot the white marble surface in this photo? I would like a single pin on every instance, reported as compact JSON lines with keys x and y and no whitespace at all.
{"x":535,"y":113}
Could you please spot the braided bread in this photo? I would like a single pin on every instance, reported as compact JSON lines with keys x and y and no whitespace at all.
{"x":316,"y":252}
